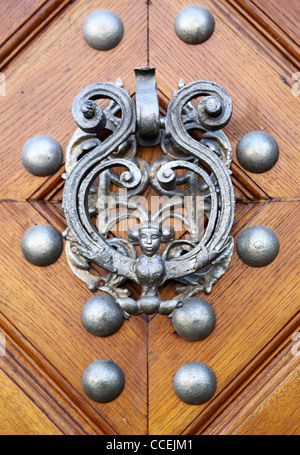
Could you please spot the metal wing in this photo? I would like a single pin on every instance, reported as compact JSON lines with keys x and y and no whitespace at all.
{"x":187,"y":264}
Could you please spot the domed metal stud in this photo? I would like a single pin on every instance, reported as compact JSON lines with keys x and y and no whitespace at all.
{"x":103,"y":381}
{"x":103,"y":30}
{"x":102,"y":316}
{"x":42,"y":156}
{"x":194,"y":24}
{"x":195,"y":383}
{"x":257,"y":152}
{"x":42,"y":245}
{"x":195,"y":320}
{"x":257,"y":246}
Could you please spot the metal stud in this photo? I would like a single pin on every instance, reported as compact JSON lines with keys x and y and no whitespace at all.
{"x":42,"y":156}
{"x":103,"y":30}
{"x":194,"y":24}
{"x":42,"y":245}
{"x":257,"y":152}
{"x":257,"y":246}
{"x":195,"y":320}
{"x":102,"y":316}
{"x":195,"y":383}
{"x":103,"y":381}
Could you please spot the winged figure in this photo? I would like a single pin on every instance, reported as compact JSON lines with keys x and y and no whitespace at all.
{"x":150,"y":270}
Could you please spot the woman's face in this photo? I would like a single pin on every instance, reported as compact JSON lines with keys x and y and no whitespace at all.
{"x":149,"y":241}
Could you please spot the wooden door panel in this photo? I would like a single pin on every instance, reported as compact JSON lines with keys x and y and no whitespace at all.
{"x":285,"y":15}
{"x":23,"y":21}
{"x":242,"y":62}
{"x":251,"y":306}
{"x":40,"y":74}
{"x":261,"y":408}
{"x":19,"y":416}
{"x":275,"y":21}
{"x":257,"y":310}
{"x":45,"y":304}
{"x":15,"y":14}
{"x":46,"y":76}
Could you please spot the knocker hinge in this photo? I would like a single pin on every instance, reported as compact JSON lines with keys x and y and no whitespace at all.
{"x":147,"y":106}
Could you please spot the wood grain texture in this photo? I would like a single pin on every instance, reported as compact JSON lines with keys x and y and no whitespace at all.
{"x":44,"y":79}
{"x":285,"y":15}
{"x":25,"y":20}
{"x":276,"y":21}
{"x":45,"y":387}
{"x":257,"y":77}
{"x":257,"y":309}
{"x":251,"y":306}
{"x":269,"y":405}
{"x":19,"y":416}
{"x":15,"y":14}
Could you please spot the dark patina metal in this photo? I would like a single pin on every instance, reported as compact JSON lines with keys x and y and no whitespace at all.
{"x":209,"y":160}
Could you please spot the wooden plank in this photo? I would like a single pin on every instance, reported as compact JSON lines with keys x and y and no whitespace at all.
{"x":19,"y":415}
{"x":45,"y":386}
{"x":251,"y":306}
{"x":285,"y":15}
{"x":15,"y":14}
{"x":270,"y":403}
{"x":24,"y":21}
{"x":276,"y":22}
{"x":257,"y":77}
{"x":43,"y":80}
{"x":45,"y":306}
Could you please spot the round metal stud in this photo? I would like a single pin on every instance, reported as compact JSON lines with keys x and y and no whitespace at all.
{"x":195,"y":320}
{"x":103,"y":30}
{"x":195,"y":383}
{"x":102,"y":316}
{"x":42,"y":245}
{"x":42,"y":156}
{"x":257,"y":152}
{"x":194,"y":24}
{"x":103,"y":381}
{"x":257,"y":246}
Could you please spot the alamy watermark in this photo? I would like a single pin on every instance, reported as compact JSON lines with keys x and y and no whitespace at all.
{"x":2,"y":84}
{"x":296,"y":346}
{"x":2,"y":345}
{"x":296,"y":85}
{"x":181,"y":212}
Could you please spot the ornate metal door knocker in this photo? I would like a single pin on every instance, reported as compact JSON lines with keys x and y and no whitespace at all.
{"x":204,"y":188}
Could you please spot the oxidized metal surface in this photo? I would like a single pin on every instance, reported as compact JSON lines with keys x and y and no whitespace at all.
{"x":103,"y":381}
{"x":103,"y":29}
{"x":257,"y":152}
{"x":42,"y":245}
{"x":147,"y":107}
{"x":258,"y":246}
{"x":195,"y":320}
{"x":101,"y":316}
{"x":194,"y":24}
{"x":204,"y":166}
{"x":195,"y":383}
{"x":42,"y":156}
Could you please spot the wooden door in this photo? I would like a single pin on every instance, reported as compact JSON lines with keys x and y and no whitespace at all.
{"x":254,"y":349}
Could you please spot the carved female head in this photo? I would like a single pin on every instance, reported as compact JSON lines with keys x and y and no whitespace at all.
{"x":149,"y":236}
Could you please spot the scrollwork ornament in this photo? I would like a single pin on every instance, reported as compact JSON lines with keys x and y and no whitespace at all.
{"x":98,"y":169}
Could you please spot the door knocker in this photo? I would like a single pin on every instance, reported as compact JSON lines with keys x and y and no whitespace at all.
{"x":206,"y":176}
